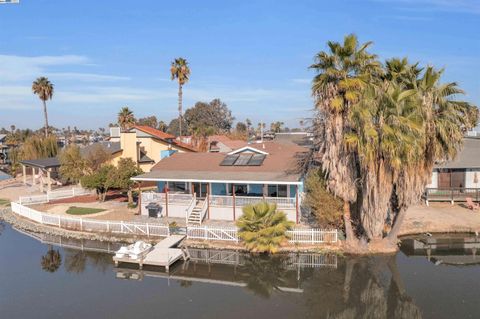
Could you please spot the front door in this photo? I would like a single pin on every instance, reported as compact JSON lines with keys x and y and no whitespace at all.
{"x":200,"y":189}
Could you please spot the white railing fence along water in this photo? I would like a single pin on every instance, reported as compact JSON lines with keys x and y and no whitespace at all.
{"x":298,"y":235}
{"x":312,"y":236}
{"x":59,"y":194}
{"x":89,"y":225}
{"x":213,"y":233}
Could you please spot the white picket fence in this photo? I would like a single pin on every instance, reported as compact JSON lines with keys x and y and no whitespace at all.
{"x":89,"y":225}
{"x":59,"y":194}
{"x":312,"y":235}
{"x":213,"y":233}
{"x":297,"y":235}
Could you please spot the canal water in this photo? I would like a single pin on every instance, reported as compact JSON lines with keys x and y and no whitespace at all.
{"x":50,"y":277}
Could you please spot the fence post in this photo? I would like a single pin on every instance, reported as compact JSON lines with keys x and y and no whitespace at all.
{"x":81,"y":224}
{"x":205,"y":232}
{"x":311,"y":230}
{"x":148,"y":230}
{"x":59,"y":222}
{"x":108,"y":226}
{"x":73,"y":192}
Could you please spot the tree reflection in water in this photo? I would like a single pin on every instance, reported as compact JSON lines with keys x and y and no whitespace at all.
{"x":360,"y":288}
{"x":52,"y":260}
{"x":265,"y":274}
{"x":76,"y":261}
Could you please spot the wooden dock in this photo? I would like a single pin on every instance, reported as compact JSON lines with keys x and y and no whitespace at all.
{"x":162,"y":254}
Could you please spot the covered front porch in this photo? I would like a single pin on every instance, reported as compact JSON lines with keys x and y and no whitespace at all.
{"x":200,"y":201}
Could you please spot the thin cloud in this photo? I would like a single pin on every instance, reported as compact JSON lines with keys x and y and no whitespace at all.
{"x":88,"y":77}
{"x":16,"y":68}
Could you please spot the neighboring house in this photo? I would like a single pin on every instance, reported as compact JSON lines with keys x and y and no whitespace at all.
{"x":463,"y":171}
{"x":198,"y":186}
{"x":299,"y":138}
{"x":3,"y":149}
{"x":144,"y":145}
{"x":223,"y":144}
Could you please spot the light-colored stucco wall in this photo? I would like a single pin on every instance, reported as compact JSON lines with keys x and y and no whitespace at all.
{"x":434,"y":180}
{"x":470,"y":178}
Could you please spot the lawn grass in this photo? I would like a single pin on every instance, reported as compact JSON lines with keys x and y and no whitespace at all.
{"x":4,"y":202}
{"x":74,"y":210}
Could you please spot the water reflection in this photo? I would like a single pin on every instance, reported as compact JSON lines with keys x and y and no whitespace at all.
{"x":284,"y":286}
{"x":52,"y":260}
{"x":443,"y":249}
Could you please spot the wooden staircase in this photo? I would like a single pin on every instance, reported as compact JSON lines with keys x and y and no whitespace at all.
{"x":195,"y":216}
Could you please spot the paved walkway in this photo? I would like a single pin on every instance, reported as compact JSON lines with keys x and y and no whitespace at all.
{"x":440,"y":217}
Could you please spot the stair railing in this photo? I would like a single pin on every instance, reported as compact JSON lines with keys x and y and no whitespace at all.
{"x":189,"y":209}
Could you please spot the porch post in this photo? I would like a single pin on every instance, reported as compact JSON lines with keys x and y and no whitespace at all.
{"x":49,"y":180}
{"x":166,"y":202}
{"x":33,"y":176}
{"x":208,"y":200}
{"x":24,"y":172}
{"x":296,"y":203}
{"x":263,"y":191}
{"x":40,"y":179}
{"x":233,"y":194}
{"x":139,"y":200}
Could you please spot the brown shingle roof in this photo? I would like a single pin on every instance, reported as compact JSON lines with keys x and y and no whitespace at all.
{"x":278,"y":166}
{"x":165,"y":137}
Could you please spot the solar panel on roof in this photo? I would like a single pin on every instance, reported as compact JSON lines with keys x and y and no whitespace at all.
{"x":243,"y":160}
{"x":256,"y":160}
{"x":229,"y":160}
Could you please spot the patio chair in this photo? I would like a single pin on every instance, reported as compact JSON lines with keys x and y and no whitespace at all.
{"x":471,"y":205}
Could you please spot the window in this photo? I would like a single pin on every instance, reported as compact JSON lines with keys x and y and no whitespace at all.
{"x":277,"y":190}
{"x":178,"y":187}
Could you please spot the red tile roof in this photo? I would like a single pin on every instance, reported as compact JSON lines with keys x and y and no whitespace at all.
{"x":165,"y":137}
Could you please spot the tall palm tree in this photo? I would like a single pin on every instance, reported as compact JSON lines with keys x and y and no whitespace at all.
{"x":342,"y":74}
{"x":180,"y":71}
{"x":126,"y":119}
{"x":44,"y":89}
{"x":380,"y":129}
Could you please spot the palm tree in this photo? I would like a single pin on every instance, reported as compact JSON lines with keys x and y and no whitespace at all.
{"x":44,"y":89}
{"x":263,"y":228}
{"x":180,"y":71}
{"x":126,"y":120}
{"x":276,"y":127}
{"x":52,"y":260}
{"x":379,"y":132}
{"x":343,"y":72}
{"x":249,"y":125}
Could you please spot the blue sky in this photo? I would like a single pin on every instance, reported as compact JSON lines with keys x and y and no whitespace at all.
{"x":254,"y":55}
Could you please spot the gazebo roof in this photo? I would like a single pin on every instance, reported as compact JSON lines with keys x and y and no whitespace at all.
{"x":49,"y":162}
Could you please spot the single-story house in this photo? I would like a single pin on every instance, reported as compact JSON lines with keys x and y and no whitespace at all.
{"x":199,"y":186}
{"x":463,"y":171}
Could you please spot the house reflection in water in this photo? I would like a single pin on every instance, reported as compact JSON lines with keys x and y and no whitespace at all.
{"x":448,"y":249}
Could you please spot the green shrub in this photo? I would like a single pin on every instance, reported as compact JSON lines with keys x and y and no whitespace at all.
{"x":263,"y":228}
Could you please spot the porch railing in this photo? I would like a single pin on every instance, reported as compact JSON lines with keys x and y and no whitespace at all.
{"x":222,"y":200}
{"x":453,"y":194}
{"x":173,"y":198}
